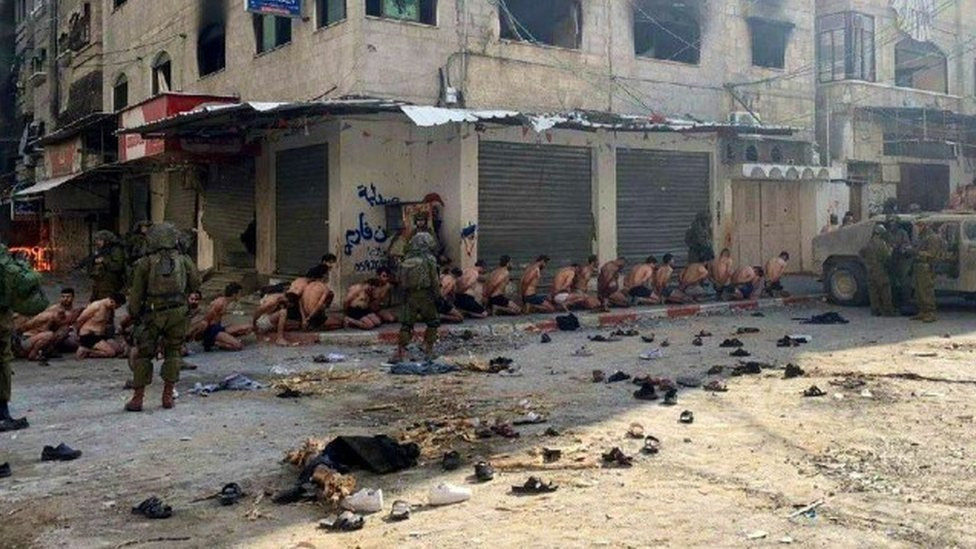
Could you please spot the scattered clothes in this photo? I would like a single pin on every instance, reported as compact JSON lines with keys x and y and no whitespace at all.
{"x":716,"y":386}
{"x":61,"y":452}
{"x":599,"y":376}
{"x":451,"y":461}
{"x":749,"y":368}
{"x":792,"y":370}
{"x":13,"y":424}
{"x":379,"y":454}
{"x":545,"y":338}
{"x":670,"y":397}
{"x":483,"y":471}
{"x":651,"y":445}
{"x":230,"y":494}
{"x":814,"y":391}
{"x":400,"y":511}
{"x":552,"y":432}
{"x":447,"y":494}
{"x":5,"y":470}
{"x":533,"y":486}
{"x":422,"y":369}
{"x":551,"y":455}
{"x":530,"y":418}
{"x":651,"y":354}
{"x":364,"y":501}
{"x":646,"y":392}
{"x":618,"y":376}
{"x":505,"y":430}
{"x":715,"y":370}
{"x":617,"y":457}
{"x":234,"y":382}
{"x":290,"y":393}
{"x":697,"y":342}
{"x":688,"y":381}
{"x":731,"y":343}
{"x":743,"y":331}
{"x":826,"y":318}
{"x":636,"y":430}
{"x":347,"y":521}
{"x":499,"y":364}
{"x":625,"y":333}
{"x":646,"y":339}
{"x":568,"y":323}
{"x":153,"y":508}
{"x":687,"y":417}
{"x":582,"y":352}
{"x":331,"y":358}
{"x":740,"y":353}
{"x":603,"y":339}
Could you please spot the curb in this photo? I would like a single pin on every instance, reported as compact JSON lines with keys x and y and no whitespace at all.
{"x":587,"y":321}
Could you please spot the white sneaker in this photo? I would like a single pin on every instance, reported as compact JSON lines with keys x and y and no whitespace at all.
{"x":446,"y":494}
{"x":652,"y":354}
{"x":364,"y":501}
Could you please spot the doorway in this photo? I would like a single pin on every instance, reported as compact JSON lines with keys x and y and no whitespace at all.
{"x":767,"y":222}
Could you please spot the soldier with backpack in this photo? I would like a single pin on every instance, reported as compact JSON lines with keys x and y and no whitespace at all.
{"x":108,"y":266}
{"x":161,"y":282}
{"x":421,"y":286}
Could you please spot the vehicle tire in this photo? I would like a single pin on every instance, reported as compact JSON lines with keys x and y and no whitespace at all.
{"x":846,"y":283}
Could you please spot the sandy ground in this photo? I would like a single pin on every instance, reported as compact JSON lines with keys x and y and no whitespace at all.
{"x":891,"y":458}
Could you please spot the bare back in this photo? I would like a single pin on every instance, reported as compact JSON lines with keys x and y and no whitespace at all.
{"x":662,"y":277}
{"x":641,"y":275}
{"x":744,"y":275}
{"x":564,"y":280}
{"x":775,"y":269}
{"x":95,"y":318}
{"x":468,"y":283}
{"x":582,"y":281}
{"x":529,"y":284}
{"x":607,"y":282}
{"x":722,"y":271}
{"x":314,"y":297}
{"x":298,"y":286}
{"x":497,"y":282}
{"x":694,"y":273}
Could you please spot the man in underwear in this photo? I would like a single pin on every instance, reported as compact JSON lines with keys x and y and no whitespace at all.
{"x":563,"y":294}
{"x":469,"y":291}
{"x":494,"y":293}
{"x":94,"y":326}
{"x":216,"y":334}
{"x":195,"y":317}
{"x":534,"y":301}
{"x":448,"y":289}
{"x":272,"y":315}
{"x":745,"y":281}
{"x":62,"y":338}
{"x":691,"y":284}
{"x":327,"y":263}
{"x":662,"y":278}
{"x":381,"y":303}
{"x":581,"y":284}
{"x":608,"y":285}
{"x":721,"y":272}
{"x":637,"y":283}
{"x":356,"y":306}
{"x":315,"y":302}
{"x":36,"y":334}
{"x":775,"y":269}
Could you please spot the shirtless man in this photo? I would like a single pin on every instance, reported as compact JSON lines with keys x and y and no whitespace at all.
{"x":662,"y":277}
{"x":36,"y":335}
{"x":637,"y":283}
{"x":356,"y":306}
{"x":775,"y":268}
{"x":608,"y":285}
{"x":382,"y":301}
{"x":445,"y":301}
{"x":563,"y":293}
{"x":196,"y":320}
{"x":721,"y":272}
{"x":691,"y":284}
{"x":494,"y":294}
{"x":468,"y":291}
{"x":62,"y":337}
{"x":271,"y":315}
{"x":216,"y":334}
{"x":745,"y":281}
{"x":314,"y":303}
{"x":533,"y":301}
{"x":93,"y":329}
{"x":581,"y":284}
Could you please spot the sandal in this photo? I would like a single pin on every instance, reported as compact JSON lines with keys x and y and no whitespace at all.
{"x":687,"y":417}
{"x":624,"y":333}
{"x":787,"y":341}
{"x":483,"y":471}
{"x":792,"y":371}
{"x":670,"y":397}
{"x":636,"y":431}
{"x":646,"y":339}
{"x":814,"y":391}
{"x":230,"y":494}
{"x":740,"y":353}
{"x":742,"y":331}
{"x":603,"y":339}
{"x":651,"y":445}
{"x":451,"y":461}
{"x":599,"y":376}
{"x":550,"y":455}
{"x":153,"y":508}
{"x":616,"y":456}
{"x":646,"y":392}
{"x":730,"y":343}
{"x":666,"y":343}
{"x":345,"y":522}
{"x":618,"y":376}
{"x":401,"y":510}
{"x":534,"y":485}
{"x":546,"y":338}
{"x":703,"y":333}
{"x":749,"y":368}
{"x":697,"y":342}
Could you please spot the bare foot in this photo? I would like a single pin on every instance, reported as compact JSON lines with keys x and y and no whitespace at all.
{"x":282,"y":342}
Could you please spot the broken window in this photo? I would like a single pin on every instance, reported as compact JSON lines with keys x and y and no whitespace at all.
{"x":769,"y":41}
{"x":162,"y":74}
{"x":667,"y":30}
{"x":920,"y":65}
{"x":270,"y":32}
{"x":211,"y":49}
{"x":418,"y":11}
{"x":328,"y":12}
{"x":120,"y":93}
{"x":553,"y":22}
{"x":845,"y":47}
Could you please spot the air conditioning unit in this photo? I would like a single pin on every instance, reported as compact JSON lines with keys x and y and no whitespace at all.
{"x":742,"y":118}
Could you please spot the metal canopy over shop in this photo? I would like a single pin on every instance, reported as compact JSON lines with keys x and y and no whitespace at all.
{"x":50,"y":184}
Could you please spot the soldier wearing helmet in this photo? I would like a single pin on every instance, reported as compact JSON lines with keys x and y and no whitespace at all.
{"x":107,"y":268}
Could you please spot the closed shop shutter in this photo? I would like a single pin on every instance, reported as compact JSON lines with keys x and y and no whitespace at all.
{"x":228,"y":210}
{"x":181,"y":205}
{"x":534,"y":200}
{"x":659,"y":193}
{"x":302,"y":208}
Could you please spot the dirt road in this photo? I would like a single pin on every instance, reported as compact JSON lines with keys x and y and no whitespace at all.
{"x":891,"y":458}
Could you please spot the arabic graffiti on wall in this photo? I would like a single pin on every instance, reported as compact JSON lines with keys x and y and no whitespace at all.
{"x":374,"y":257}
{"x":365,"y":233}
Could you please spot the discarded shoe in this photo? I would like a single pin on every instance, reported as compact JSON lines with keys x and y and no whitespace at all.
{"x":715,"y":370}
{"x":447,"y":494}
{"x":153,"y":508}
{"x":758,"y":315}
{"x":687,"y":417}
{"x":530,"y":418}
{"x":533,"y":486}
{"x":826,"y":318}
{"x":731,"y":343}
{"x":401,"y":510}
{"x":814,"y":391}
{"x":651,"y":445}
{"x":670,"y":397}
{"x":636,"y":430}
{"x":617,"y":457}
{"x":551,"y":455}
{"x":666,"y":343}
{"x":5,"y":470}
{"x":624,"y":333}
{"x":483,"y":471}
{"x":552,"y":432}
{"x":646,"y":392}
{"x":697,"y":342}
{"x":740,"y":353}
{"x":792,"y":370}
{"x":599,"y":376}
{"x":346,"y":521}
{"x":651,"y":354}
{"x":186,"y":366}
{"x":648,"y":339}
{"x":604,"y":339}
{"x":545,"y":338}
{"x":505,"y":430}
{"x":290,"y":393}
{"x":230,"y":494}
{"x":451,"y":461}
{"x":703,"y":333}
{"x":13,"y":424}
{"x":61,"y":452}
{"x":742,"y":331}
{"x":716,"y":386}
{"x":787,"y":341}
{"x":749,"y":368}
{"x":582,"y":352}
{"x":364,"y":501}
{"x":618,"y":376}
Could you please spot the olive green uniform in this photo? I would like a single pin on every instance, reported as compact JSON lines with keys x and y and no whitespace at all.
{"x":6,"y":353}
{"x":108,"y":276}
{"x":159,"y":317}
{"x":420,"y":302}
{"x":876,"y":255}
{"x":900,"y":266}
{"x":931,"y":248}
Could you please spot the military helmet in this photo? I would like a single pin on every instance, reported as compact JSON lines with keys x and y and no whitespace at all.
{"x":163,"y":236}
{"x":107,"y":236}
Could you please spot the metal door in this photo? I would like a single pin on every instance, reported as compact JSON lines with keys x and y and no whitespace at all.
{"x":181,"y":204}
{"x":747,"y":216}
{"x":926,"y":185}
{"x":228,"y":210}
{"x":301,"y":207}
{"x":659,"y":193}
{"x":781,"y":223}
{"x":534,"y":200}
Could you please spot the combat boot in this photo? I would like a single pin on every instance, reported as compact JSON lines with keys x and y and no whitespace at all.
{"x":135,"y":404}
{"x":168,"y":398}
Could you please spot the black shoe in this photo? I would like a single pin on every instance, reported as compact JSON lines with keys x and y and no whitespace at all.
{"x":619,"y":376}
{"x":61,"y":452}
{"x":451,"y":461}
{"x":697,"y":342}
{"x":749,"y":368}
{"x":153,"y":508}
{"x":483,"y":471}
{"x":741,"y":353}
{"x":5,"y":470}
{"x":670,"y":397}
{"x":230,"y":494}
{"x":545,"y":338}
{"x":687,"y":417}
{"x":731,"y":343}
{"x":792,"y":370}
{"x":646,"y":392}
{"x":11,"y":424}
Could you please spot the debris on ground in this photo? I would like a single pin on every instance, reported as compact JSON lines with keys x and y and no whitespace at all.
{"x":233,"y":382}
{"x":331,"y":358}
{"x":716,"y":386}
{"x":534,"y":486}
{"x":347,"y":521}
{"x":153,"y":508}
{"x":448,"y":494}
{"x":364,"y":501}
{"x":687,"y":417}
{"x":616,"y":456}
{"x":825,"y":319}
{"x":320,"y":382}
{"x":814,"y":391}
{"x":748,"y":368}
{"x":422,"y":369}
{"x":792,"y":371}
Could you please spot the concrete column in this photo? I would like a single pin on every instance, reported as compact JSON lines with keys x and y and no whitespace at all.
{"x":468,"y":191}
{"x":604,"y":190}
{"x":264,"y":206}
{"x":125,"y":207}
{"x":158,"y":196}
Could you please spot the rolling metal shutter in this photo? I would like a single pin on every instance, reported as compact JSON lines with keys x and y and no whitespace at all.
{"x":659,"y":193}
{"x":228,"y":210}
{"x":302,"y":208}
{"x":534,"y":200}
{"x":181,"y":204}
